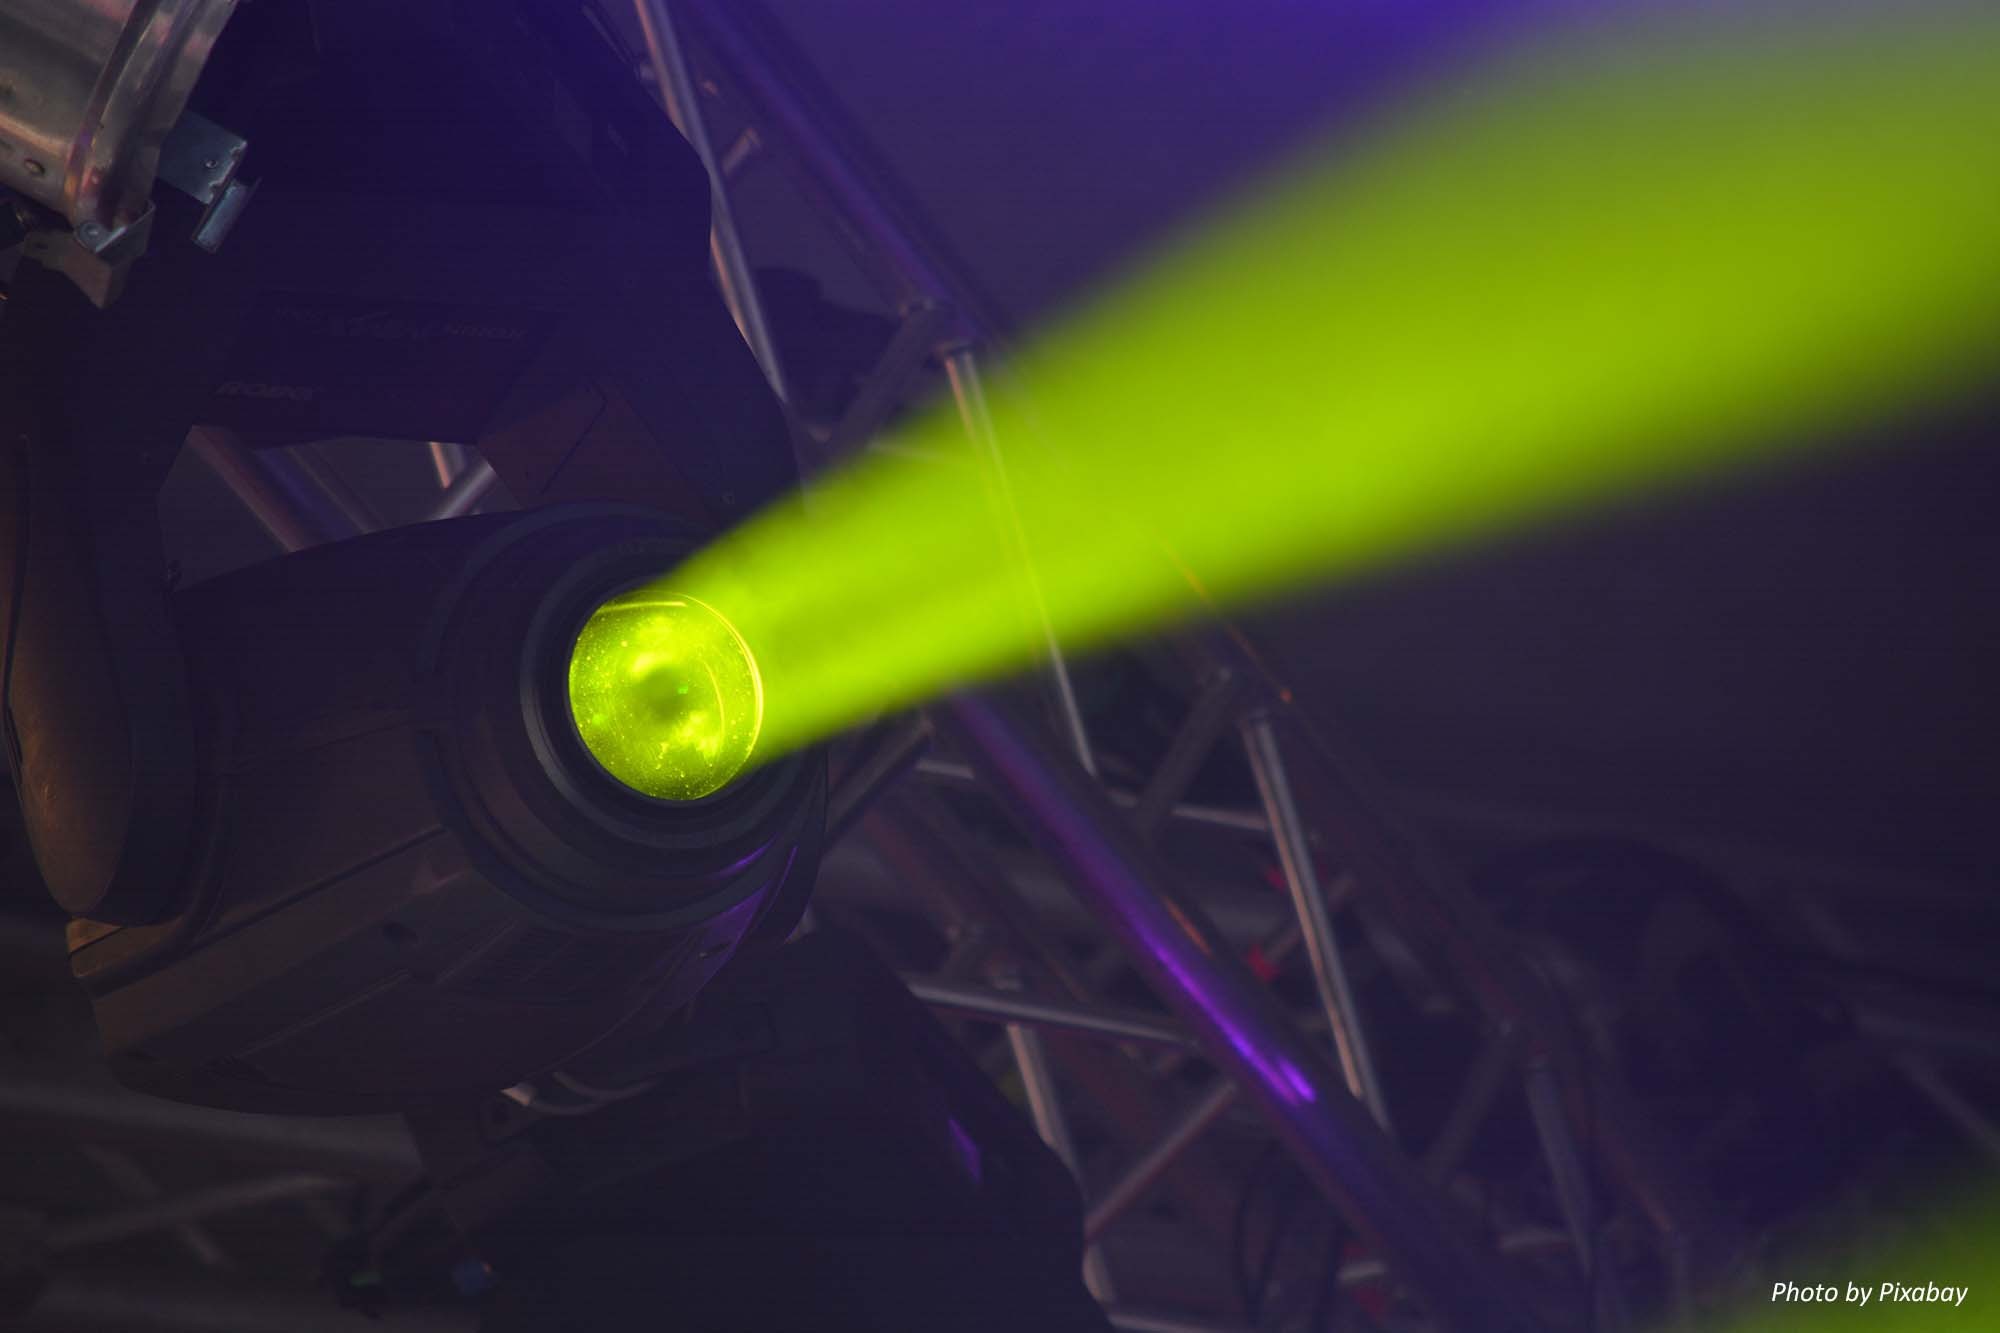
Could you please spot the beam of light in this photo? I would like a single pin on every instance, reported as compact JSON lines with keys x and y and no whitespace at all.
{"x":1591,"y":272}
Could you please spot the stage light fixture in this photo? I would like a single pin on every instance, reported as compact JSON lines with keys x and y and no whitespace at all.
{"x":422,"y":869}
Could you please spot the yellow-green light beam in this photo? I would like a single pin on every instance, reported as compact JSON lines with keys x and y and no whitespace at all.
{"x":1590,"y":271}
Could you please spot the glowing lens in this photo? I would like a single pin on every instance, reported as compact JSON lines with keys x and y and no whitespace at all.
{"x":665,"y":694}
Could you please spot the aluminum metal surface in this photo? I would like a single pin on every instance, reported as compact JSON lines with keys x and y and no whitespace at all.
{"x":89,"y":93}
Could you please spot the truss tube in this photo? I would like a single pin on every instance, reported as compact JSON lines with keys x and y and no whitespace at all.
{"x":1045,"y":1108}
{"x":732,"y":263}
{"x":467,"y":491}
{"x":1007,"y":1007}
{"x":134,"y":1301}
{"x":284,"y":501}
{"x":887,"y":752}
{"x":319,"y":471}
{"x":1131,"y":1187}
{"x":961,"y":366}
{"x":837,"y":178}
{"x":1336,"y":996}
{"x":167,"y":1213}
{"x":364,"y":1147}
{"x":135,"y":1180}
{"x":1154,"y":1321}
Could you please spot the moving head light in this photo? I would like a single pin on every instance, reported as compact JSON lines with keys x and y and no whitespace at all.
{"x":412,"y":876}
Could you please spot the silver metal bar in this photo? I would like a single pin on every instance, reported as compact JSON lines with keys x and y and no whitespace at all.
{"x":1248,"y":913}
{"x":466,"y":491}
{"x":1552,"y":1127}
{"x":732,"y":264}
{"x":117,"y":1298}
{"x":1045,"y":1109}
{"x":742,"y":151}
{"x":364,"y":1147}
{"x":1213,"y":709}
{"x":1207,"y":816}
{"x":1131,"y":1187}
{"x":326,"y":478}
{"x":1039,"y":1085}
{"x":1528,"y":1240}
{"x":1286,"y":1074}
{"x":161,"y":1214}
{"x":447,"y":460}
{"x":962,"y":369}
{"x":1974,"y":1037}
{"x":1981,"y":1132}
{"x":1336,"y":997}
{"x":138,"y":1182}
{"x":1556,"y":1130}
{"x":892,"y":750}
{"x":922,"y":328}
{"x":1919,"y":1071}
{"x":1485,"y":1081}
{"x":284,"y":503}
{"x":1012,"y":1007}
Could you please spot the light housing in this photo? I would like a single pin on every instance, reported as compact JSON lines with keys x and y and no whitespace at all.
{"x":413,"y":880}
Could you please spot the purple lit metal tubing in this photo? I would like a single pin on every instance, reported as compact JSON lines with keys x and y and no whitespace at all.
{"x":1334,"y":1139}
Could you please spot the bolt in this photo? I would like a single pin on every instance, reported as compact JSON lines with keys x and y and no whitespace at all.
{"x":211,"y":163}
{"x":35,"y":168}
